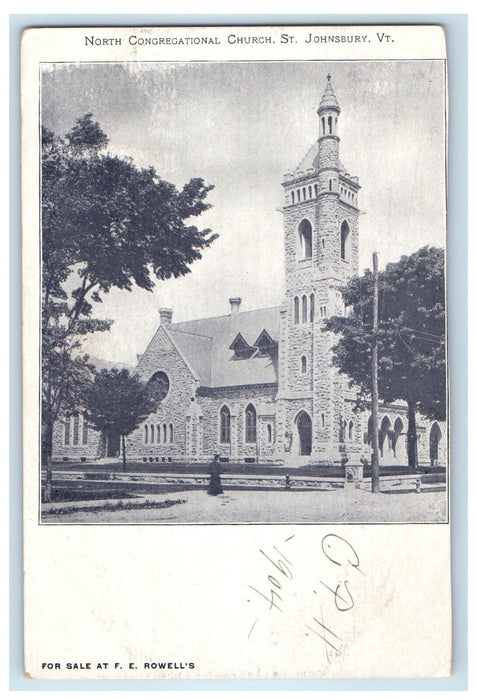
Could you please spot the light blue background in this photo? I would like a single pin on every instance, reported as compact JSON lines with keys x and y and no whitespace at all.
{"x":456,"y":34}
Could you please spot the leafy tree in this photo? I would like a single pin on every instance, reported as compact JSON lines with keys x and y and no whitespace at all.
{"x":117,"y":403}
{"x":105,"y":223}
{"x":411,"y":337}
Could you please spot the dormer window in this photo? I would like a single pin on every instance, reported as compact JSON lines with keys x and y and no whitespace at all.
{"x":242,"y":350}
{"x":266,"y":345}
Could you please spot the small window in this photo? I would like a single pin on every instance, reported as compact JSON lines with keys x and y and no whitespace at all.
{"x":316,"y":190}
{"x":152,"y":434}
{"x":293,"y":197}
{"x":298,"y":195}
{"x":75,"y":429}
{"x":303,"y":364}
{"x":322,"y":420}
{"x":250,"y":424}
{"x":146,"y":434}
{"x":297,"y":311}
{"x":330,"y":124}
{"x":304,"y":193}
{"x":158,"y":433}
{"x":85,"y":430}
{"x":269,"y":433}
{"x":351,"y":430}
{"x":323,"y":243}
{"x":323,"y":128}
{"x":330,"y":185}
{"x":164,"y":433}
{"x":171,"y":433}
{"x":312,"y":308}
{"x":310,"y":192}
{"x":67,"y":430}
{"x":304,"y":309}
{"x":224,"y":425}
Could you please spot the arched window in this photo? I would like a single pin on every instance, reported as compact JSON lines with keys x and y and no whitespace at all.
{"x":304,"y":233}
{"x":298,"y":195}
{"x":224,"y":425}
{"x":303,"y":364}
{"x":383,"y":435}
{"x":297,"y":311}
{"x":269,"y":433}
{"x":76,"y":429}
{"x":351,"y":431}
{"x":171,"y":433}
{"x":316,"y":190}
{"x":152,"y":434}
{"x":367,"y":437}
{"x":330,"y":124}
{"x":312,"y":308}
{"x":293,"y":197}
{"x":344,"y":240}
{"x":435,"y":436}
{"x":323,"y":129}
{"x":158,"y":433}
{"x":164,"y":433}
{"x":85,"y":429}
{"x":146,"y":434}
{"x":304,"y":309}
{"x":304,"y":193}
{"x":250,"y":424}
{"x":310,"y":192}
{"x":67,"y":430}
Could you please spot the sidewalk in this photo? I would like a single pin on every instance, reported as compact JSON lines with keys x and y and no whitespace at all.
{"x":337,"y":506}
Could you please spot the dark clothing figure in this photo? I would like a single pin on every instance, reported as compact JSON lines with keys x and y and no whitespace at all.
{"x":215,"y":484}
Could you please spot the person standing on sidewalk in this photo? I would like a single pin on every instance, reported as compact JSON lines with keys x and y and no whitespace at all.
{"x":215,"y":483}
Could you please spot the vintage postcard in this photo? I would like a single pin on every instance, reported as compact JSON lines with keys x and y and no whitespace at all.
{"x":235,"y":383}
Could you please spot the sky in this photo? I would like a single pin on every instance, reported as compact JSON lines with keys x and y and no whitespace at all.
{"x":241,"y":126}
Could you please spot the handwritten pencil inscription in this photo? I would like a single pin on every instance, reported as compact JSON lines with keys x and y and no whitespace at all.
{"x":334,"y":592}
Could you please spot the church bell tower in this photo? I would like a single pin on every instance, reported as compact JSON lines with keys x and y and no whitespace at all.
{"x":321,"y":254}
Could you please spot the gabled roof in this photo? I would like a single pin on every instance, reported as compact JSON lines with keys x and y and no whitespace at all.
{"x":206,"y":343}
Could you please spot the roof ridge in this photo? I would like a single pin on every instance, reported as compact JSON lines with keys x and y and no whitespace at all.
{"x":210,"y":318}
{"x":199,"y":335}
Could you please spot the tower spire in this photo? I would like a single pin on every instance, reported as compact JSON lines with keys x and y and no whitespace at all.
{"x":328,"y":101}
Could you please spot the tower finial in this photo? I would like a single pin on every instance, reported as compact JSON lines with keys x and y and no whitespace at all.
{"x":329,"y":101}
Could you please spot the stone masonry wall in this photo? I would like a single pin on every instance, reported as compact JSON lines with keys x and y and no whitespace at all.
{"x":161,"y":355}
{"x":237,"y":399}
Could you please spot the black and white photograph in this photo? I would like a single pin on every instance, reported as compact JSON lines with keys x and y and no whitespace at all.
{"x":243,"y":292}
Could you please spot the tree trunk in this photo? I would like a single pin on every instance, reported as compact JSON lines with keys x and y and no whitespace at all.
{"x":411,"y":435}
{"x":124,"y":452}
{"x":48,"y":449}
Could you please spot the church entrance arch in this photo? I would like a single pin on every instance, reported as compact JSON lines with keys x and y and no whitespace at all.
{"x":383,"y":437}
{"x":303,"y":424}
{"x":435,"y":436}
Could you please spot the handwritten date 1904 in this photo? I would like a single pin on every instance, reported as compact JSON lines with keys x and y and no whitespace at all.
{"x":338,"y":551}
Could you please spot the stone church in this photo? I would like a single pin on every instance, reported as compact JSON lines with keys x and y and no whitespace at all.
{"x":259,"y":386}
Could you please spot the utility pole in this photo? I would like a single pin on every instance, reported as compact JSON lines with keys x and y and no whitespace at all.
{"x":374,"y":383}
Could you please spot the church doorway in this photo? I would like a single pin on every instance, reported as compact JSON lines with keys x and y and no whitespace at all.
{"x":303,"y":424}
{"x":434,"y":440}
